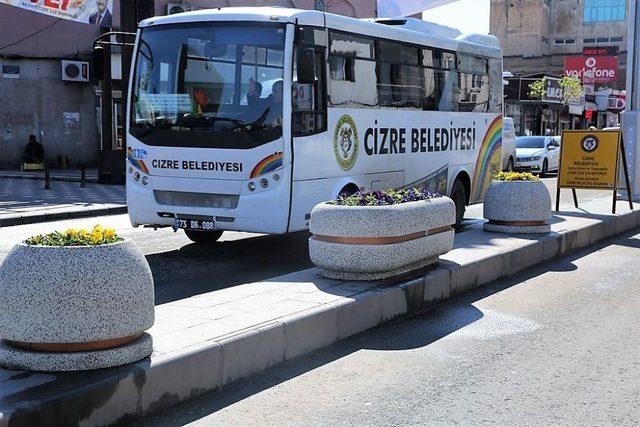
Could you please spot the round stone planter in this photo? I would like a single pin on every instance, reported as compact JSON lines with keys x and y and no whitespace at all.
{"x":517,"y":207}
{"x":375,"y":242}
{"x":75,"y":307}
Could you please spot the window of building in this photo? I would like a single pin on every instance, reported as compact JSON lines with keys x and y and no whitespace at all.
{"x":588,"y":41}
{"x":604,"y":10}
{"x":559,"y":41}
{"x":615,"y":39}
{"x":569,"y":41}
{"x":545,"y":40}
{"x":603,"y":39}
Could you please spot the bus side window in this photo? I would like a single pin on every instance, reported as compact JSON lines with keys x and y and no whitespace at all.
{"x":308,"y":101}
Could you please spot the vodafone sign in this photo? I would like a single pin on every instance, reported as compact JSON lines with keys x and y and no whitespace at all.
{"x":592,"y":69}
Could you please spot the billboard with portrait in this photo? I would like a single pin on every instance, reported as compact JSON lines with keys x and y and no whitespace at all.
{"x":93,"y":12}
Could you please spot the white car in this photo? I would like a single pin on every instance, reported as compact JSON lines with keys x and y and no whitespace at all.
{"x":508,"y":145}
{"x":538,"y":154}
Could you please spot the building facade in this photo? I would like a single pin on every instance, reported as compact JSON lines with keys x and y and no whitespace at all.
{"x":582,"y":38}
{"x":38,"y":97}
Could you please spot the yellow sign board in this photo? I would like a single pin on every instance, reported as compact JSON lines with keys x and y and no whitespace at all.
{"x":589,"y":159}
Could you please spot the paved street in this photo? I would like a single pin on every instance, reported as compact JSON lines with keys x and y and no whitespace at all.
{"x":182,"y":269}
{"x":555,"y":345}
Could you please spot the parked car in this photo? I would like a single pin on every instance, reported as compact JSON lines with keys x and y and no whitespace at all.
{"x":538,"y":154}
{"x":508,"y":144}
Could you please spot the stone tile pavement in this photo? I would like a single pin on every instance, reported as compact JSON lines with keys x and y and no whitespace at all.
{"x":26,"y":201}
{"x":72,"y":175}
{"x":204,"y":342}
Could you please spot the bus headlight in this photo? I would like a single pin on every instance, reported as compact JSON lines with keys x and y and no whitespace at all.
{"x":136,"y":176}
{"x":264,"y":182}
{"x":252,"y":186}
{"x":276,"y":177}
{"x":145,"y":180}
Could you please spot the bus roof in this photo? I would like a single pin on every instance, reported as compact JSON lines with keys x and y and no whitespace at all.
{"x":408,"y":30}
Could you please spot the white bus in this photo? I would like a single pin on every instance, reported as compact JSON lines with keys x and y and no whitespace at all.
{"x":245,"y":118}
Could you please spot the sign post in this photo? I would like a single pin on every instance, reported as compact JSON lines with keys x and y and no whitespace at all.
{"x":590,"y":160}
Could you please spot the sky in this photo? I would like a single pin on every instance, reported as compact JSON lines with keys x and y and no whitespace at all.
{"x":469,"y":16}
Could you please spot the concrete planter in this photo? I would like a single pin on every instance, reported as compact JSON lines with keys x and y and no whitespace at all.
{"x":517,"y":207}
{"x":375,"y":242}
{"x":75,"y":307}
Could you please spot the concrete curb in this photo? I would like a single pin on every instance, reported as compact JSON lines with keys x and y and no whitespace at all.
{"x":17,"y":219}
{"x":149,"y":386}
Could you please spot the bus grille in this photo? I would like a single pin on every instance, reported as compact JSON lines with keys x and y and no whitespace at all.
{"x":199,"y":200}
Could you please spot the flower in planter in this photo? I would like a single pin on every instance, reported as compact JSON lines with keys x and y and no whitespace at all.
{"x":384,"y":198}
{"x":516,"y":176}
{"x":72,"y":237}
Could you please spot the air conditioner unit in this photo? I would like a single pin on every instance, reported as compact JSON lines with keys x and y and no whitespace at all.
{"x":75,"y":71}
{"x":173,"y":8}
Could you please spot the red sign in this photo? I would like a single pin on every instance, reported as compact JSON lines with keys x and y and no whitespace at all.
{"x":592,"y":69}
{"x":601,"y":51}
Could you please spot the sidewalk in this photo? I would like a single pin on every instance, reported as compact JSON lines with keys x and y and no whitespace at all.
{"x":24,"y":201}
{"x":205,"y":342}
{"x":71,"y":175}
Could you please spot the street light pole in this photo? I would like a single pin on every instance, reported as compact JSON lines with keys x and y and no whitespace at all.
{"x":631,"y":116}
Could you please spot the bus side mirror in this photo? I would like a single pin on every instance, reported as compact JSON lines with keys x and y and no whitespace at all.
{"x":97,"y":62}
{"x":306,"y":65}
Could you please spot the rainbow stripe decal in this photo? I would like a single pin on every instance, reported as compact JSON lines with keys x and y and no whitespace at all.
{"x":489,"y":161}
{"x":268,"y":164}
{"x":138,"y":163}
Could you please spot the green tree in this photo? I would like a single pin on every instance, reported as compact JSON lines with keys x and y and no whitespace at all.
{"x":571,"y":89}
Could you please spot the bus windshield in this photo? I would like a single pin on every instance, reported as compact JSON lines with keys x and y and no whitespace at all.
{"x":215,"y":85}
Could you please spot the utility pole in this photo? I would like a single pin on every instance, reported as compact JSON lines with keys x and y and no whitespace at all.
{"x":106,"y":113}
{"x":631,"y":116}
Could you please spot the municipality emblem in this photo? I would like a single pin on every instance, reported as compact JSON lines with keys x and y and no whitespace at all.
{"x":589,"y":143}
{"x":345,"y":142}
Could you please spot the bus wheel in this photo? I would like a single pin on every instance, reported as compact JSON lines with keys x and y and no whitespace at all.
{"x":349,"y":190}
{"x":203,"y":237}
{"x":510,"y":165}
{"x":459,"y":197}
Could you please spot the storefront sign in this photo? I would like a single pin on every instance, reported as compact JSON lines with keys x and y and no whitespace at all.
{"x":589,"y":159}
{"x":552,"y":90}
{"x":592,"y":69}
{"x":601,"y":51}
{"x":94,"y":12}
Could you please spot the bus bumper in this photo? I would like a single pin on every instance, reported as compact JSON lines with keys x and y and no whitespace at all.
{"x":264,"y":211}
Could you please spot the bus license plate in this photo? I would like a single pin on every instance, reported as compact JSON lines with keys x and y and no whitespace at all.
{"x":193,"y":224}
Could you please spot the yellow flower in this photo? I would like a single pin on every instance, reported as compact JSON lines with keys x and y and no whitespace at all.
{"x":109,"y":233}
{"x":72,"y":232}
{"x":98,"y":227}
{"x":84,"y":234}
{"x":96,"y":237}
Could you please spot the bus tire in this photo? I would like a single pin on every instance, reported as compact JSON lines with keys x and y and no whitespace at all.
{"x":203,"y":237}
{"x":510,"y":165}
{"x":459,"y":197}
{"x":349,"y":190}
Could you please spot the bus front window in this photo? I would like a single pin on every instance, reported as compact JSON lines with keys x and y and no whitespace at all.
{"x":209,"y":85}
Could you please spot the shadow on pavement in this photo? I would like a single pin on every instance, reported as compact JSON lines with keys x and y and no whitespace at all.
{"x":196,"y":269}
{"x":419,"y":331}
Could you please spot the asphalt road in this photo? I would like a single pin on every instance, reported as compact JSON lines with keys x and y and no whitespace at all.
{"x":557,"y":345}
{"x":182,"y":269}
